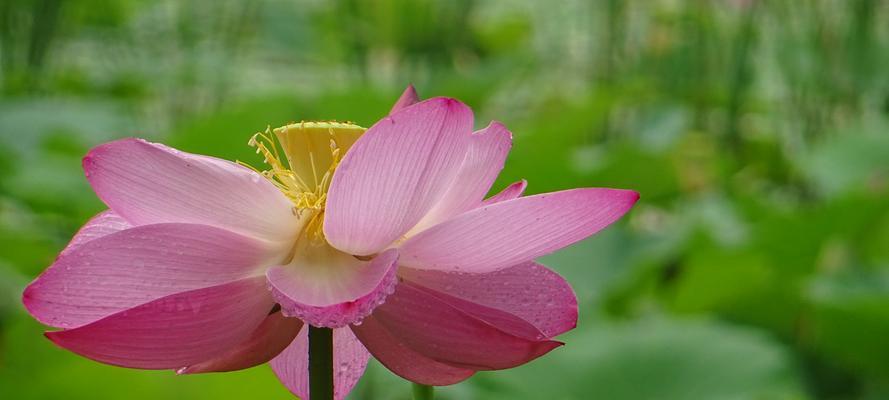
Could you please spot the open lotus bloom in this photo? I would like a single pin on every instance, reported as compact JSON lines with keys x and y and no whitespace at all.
{"x":384,"y":234}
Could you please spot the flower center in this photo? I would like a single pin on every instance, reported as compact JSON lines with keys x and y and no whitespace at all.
{"x":312,"y":150}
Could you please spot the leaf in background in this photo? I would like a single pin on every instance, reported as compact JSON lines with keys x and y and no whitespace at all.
{"x":847,"y":162}
{"x":850,"y":321}
{"x":655,"y":359}
{"x":25,"y":123}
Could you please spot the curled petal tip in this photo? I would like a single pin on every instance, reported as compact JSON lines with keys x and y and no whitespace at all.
{"x":28,"y":301}
{"x":544,"y":347}
{"x":442,"y":101}
{"x":54,"y":337}
{"x":408,"y":98}
{"x":499,"y":125}
{"x":632,"y":197}
{"x":411,"y":92}
{"x":635,"y":195}
{"x":450,"y":102}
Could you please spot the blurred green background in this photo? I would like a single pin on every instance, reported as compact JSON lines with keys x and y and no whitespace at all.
{"x":756,"y":265}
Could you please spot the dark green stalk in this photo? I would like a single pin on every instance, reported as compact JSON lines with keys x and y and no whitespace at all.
{"x":320,"y":363}
{"x":423,"y":392}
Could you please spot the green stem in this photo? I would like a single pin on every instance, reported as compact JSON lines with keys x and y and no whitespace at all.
{"x":423,"y":392}
{"x":320,"y":363}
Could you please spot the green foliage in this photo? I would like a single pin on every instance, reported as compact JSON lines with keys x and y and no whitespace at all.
{"x":756,"y":265}
{"x":654,"y":359}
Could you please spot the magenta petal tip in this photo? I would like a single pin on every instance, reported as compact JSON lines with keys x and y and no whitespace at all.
{"x":408,"y":97}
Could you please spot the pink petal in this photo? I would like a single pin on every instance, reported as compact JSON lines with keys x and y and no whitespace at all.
{"x":147,"y":183}
{"x":333,"y":290}
{"x":269,"y":339}
{"x":510,"y":192}
{"x":529,"y":291}
{"x":104,"y":223}
{"x":484,"y":161}
{"x":402,"y":360}
{"x":173,"y":331}
{"x":349,"y":358}
{"x":499,"y":319}
{"x":408,"y":97}
{"x":395,"y":173}
{"x":430,"y":325}
{"x":511,"y":232}
{"x":134,"y":266}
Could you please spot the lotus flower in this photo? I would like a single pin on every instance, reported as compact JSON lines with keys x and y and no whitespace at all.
{"x":383,"y":234}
